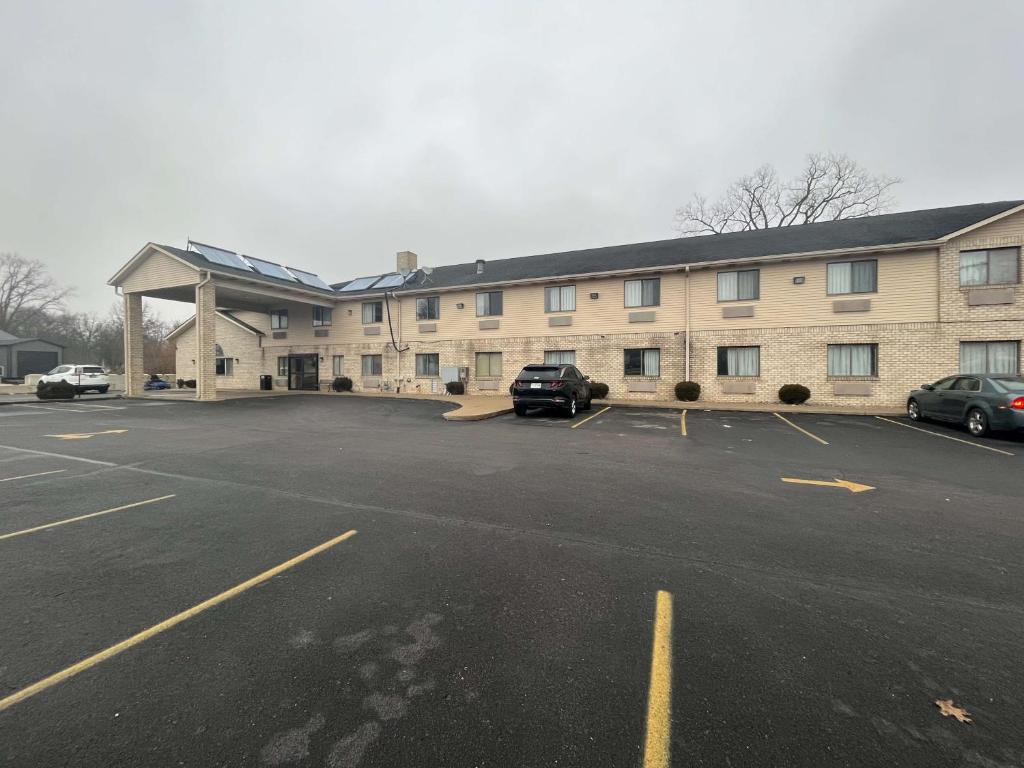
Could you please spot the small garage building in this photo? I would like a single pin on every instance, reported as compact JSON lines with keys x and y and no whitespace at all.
{"x":21,"y":357}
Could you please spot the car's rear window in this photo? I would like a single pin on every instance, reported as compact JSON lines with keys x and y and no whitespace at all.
{"x":1008,"y":385}
{"x":541,"y":373}
{"x":91,"y":369}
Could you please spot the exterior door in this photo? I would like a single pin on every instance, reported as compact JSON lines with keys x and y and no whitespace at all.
{"x":303,"y":372}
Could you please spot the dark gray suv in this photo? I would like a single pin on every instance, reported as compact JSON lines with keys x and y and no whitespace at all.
{"x":551,"y":386}
{"x":980,"y":402}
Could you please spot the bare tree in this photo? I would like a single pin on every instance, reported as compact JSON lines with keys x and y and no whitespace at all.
{"x":829,"y":188}
{"x":27,"y":292}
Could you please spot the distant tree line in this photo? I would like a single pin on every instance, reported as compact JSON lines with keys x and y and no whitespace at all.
{"x":32,"y":305}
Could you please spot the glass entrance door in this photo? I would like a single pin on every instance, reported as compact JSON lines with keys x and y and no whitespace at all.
{"x":303,"y":372}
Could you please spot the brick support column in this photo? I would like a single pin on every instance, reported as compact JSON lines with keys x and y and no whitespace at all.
{"x":134,"y":369}
{"x":206,"y":338}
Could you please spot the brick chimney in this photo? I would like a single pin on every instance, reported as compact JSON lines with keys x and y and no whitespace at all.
{"x":406,"y":261}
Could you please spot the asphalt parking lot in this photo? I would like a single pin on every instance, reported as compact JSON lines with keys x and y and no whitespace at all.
{"x":343,"y":581}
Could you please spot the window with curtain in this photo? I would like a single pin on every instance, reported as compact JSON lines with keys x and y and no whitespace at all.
{"x":990,"y":357}
{"x":641,"y":362}
{"x":321,"y":316}
{"x":428,"y":308}
{"x":995,"y":266}
{"x":852,"y":359}
{"x":740,"y":285}
{"x":338,"y":365}
{"x":739,"y":361}
{"x":643,"y":293}
{"x":488,"y":303}
{"x":373,"y":312}
{"x":852,"y":277}
{"x":427,"y":364}
{"x":488,"y":364}
{"x":373,"y":365}
{"x":560,"y":357}
{"x":560,"y":298}
{"x":278,"y":319}
{"x":282,"y":366}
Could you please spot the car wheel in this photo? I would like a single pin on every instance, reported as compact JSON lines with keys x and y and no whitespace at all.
{"x":571,"y":410}
{"x":520,"y":410}
{"x":586,"y":404}
{"x":103,"y":390}
{"x":914,"y":410}
{"x":977,"y":422}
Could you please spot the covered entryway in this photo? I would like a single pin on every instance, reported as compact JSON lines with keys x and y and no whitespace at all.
{"x":304,"y":372}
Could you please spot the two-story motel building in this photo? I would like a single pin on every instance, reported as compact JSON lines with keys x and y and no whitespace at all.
{"x":860,"y":311}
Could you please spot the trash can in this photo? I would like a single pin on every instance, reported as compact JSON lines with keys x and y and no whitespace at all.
{"x":266,"y":381}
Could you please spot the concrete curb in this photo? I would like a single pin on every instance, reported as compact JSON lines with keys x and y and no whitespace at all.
{"x":457,"y":416}
{"x":75,"y":400}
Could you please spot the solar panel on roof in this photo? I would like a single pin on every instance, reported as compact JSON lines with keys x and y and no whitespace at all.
{"x":219,"y":256}
{"x":309,"y":278}
{"x":390,"y":281}
{"x":361,"y":283}
{"x":270,"y":269}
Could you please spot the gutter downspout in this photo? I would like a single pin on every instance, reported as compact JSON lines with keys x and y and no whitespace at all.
{"x":686,"y":339}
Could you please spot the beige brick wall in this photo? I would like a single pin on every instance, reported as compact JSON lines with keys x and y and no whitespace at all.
{"x":954,"y":299}
{"x":236,"y":342}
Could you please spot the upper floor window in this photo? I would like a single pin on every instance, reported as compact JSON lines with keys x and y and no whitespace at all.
{"x":995,"y":266}
{"x":989,"y":357}
{"x":853,"y":277}
{"x":321,"y":316}
{"x":739,"y":361}
{"x":643,"y":293}
{"x":560,"y":298}
{"x":373,"y":311}
{"x":278,"y":319}
{"x":741,"y":285}
{"x":428,"y":308}
{"x":852,"y":359}
{"x":488,"y":303}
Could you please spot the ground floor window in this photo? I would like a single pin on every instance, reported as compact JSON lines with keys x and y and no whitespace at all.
{"x":852,"y":359}
{"x":739,"y":361}
{"x":427,"y":365}
{"x":225,"y":366}
{"x":373,"y":365}
{"x":282,"y":366}
{"x":560,"y":357}
{"x":488,"y":364}
{"x":989,"y":356}
{"x":642,"y":362}
{"x":338,"y":365}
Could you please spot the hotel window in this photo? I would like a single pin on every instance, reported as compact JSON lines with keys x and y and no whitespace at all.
{"x":373,"y":312}
{"x":428,"y":308}
{"x":990,"y":357}
{"x":488,"y":364}
{"x":225,"y":366}
{"x":278,"y":319}
{"x":852,"y":359}
{"x":739,"y":361}
{"x":338,"y":365}
{"x":488,"y":303}
{"x":741,"y":285}
{"x":643,"y":293}
{"x":642,"y":362}
{"x":560,"y":298}
{"x":427,"y":365}
{"x":321,"y":316}
{"x":373,"y":365}
{"x":560,"y":357}
{"x":282,"y":366}
{"x":996,"y":266}
{"x":852,"y":277}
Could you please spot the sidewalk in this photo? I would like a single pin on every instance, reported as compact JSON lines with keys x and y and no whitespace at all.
{"x":705,"y":405}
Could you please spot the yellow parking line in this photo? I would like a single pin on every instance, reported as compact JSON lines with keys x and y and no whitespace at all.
{"x":682,"y":423}
{"x":581,"y":423}
{"x":801,"y":429}
{"x":659,"y":697}
{"x":37,"y":474}
{"x":156,"y":629}
{"x":948,"y":437}
{"x":83,"y":517}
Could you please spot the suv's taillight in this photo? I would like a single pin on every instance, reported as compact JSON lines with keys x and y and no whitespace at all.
{"x":517,"y":384}
{"x":1018,"y":404}
{"x":556,"y":384}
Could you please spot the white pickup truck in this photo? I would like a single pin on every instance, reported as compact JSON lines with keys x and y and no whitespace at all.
{"x":82,"y":377}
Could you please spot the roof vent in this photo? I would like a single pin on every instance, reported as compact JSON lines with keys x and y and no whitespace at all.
{"x":479,"y":266}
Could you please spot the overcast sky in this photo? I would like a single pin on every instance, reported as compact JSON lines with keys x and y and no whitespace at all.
{"x":331,"y":135}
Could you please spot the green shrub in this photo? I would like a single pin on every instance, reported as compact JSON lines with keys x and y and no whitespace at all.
{"x":55,"y":390}
{"x":687,"y":390}
{"x":190,"y":383}
{"x":794,"y":394}
{"x":181,"y":383}
{"x":455,"y":388}
{"x":598,"y":390}
{"x":342,"y":384}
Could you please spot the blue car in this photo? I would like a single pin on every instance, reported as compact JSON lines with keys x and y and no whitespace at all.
{"x":980,"y":402}
{"x":155,"y":383}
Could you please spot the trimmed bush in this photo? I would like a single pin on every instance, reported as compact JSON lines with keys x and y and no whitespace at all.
{"x":190,"y":383}
{"x":342,"y":384}
{"x":687,"y":390}
{"x":181,"y":383}
{"x":55,"y":390}
{"x":598,"y":390}
{"x":455,"y":388}
{"x":794,"y":394}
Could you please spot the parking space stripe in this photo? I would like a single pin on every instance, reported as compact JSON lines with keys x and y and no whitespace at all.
{"x":948,"y":437}
{"x":581,"y":423}
{"x":37,"y":474}
{"x":163,"y":626}
{"x":58,"y":409}
{"x":659,"y":697}
{"x":682,"y":423}
{"x":801,"y":429}
{"x":84,"y":517}
{"x":59,"y":456}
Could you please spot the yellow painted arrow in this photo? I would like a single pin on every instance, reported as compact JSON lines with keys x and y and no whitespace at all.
{"x":837,"y":483}
{"x":87,"y":435}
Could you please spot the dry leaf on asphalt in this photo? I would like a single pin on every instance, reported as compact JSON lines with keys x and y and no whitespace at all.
{"x":948,"y":709}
